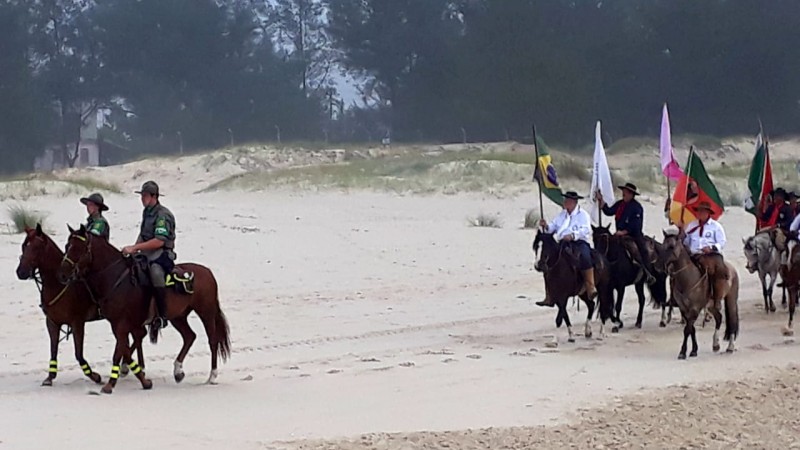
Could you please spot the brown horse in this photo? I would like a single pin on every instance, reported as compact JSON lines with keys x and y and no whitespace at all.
{"x":71,"y":305}
{"x":127,"y":304}
{"x":790,"y":274}
{"x":690,"y":288}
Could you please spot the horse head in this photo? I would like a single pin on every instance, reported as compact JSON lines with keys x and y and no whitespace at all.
{"x":750,"y":253}
{"x":602,"y":238}
{"x":671,"y":249}
{"x":653,"y":248}
{"x":78,"y":257}
{"x":549,"y":249}
{"x":33,"y":251}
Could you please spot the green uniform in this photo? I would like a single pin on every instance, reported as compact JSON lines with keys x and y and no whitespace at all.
{"x":159,"y":223}
{"x":98,"y":226}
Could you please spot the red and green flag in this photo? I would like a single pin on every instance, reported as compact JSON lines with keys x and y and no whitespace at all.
{"x":693,"y":188}
{"x":760,"y":180}
{"x":549,"y":182}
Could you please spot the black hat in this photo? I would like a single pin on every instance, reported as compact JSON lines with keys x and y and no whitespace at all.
{"x":630,"y":187}
{"x":149,"y":187}
{"x":97,"y":199}
{"x":779,"y":191}
{"x":704,"y":205}
{"x":571,"y":194}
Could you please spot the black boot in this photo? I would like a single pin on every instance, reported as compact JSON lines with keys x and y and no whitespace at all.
{"x":160,"y":321}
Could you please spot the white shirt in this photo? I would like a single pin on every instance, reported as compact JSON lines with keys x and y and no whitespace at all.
{"x":578,"y":224}
{"x":795,"y":226}
{"x":712,"y":236}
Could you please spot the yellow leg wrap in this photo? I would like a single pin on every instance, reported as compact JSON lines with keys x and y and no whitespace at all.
{"x":114,"y":372}
{"x":53,"y":366}
{"x":135,"y":368}
{"x":86,"y":369}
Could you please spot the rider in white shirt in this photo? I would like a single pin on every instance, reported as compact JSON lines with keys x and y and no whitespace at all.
{"x":705,"y":239}
{"x":574,"y":225}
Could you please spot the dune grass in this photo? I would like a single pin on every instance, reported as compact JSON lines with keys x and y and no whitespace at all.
{"x":485,"y":221}
{"x":23,"y":217}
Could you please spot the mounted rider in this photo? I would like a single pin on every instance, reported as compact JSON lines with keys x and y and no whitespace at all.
{"x":157,"y":242}
{"x":705,"y":240}
{"x":777,"y":219}
{"x":96,"y":223}
{"x":573,"y":225}
{"x":629,"y":220}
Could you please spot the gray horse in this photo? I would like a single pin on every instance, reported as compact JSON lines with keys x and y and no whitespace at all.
{"x":764,"y":257}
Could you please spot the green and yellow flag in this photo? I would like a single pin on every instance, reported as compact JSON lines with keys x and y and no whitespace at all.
{"x":549,"y":182}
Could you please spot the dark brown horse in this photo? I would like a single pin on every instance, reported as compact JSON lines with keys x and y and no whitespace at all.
{"x":625,"y":273}
{"x":69,"y":305}
{"x":127,"y":304}
{"x":563,"y":280}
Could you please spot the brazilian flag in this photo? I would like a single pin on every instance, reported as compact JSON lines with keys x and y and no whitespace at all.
{"x":549,"y":182}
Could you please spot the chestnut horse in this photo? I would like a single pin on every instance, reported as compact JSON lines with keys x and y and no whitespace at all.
{"x":71,"y":305}
{"x":127,"y":304}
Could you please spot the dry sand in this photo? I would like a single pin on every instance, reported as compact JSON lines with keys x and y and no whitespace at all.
{"x":361,"y":312}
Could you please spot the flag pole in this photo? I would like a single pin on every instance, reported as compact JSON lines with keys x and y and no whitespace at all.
{"x":539,"y":170}
{"x":688,"y":181}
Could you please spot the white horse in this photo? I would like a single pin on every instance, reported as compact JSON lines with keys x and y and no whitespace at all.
{"x":764,"y":257}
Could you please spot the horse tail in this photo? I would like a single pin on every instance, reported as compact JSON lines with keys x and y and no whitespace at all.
{"x":658,"y":290}
{"x":223,"y":334}
{"x":732,"y":307}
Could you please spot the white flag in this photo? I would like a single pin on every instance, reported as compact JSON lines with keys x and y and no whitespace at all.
{"x":601,"y":177}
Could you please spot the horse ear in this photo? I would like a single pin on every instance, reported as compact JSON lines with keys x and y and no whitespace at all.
{"x":664,"y":232}
{"x":744,"y":241}
{"x":39,"y":231}
{"x":71,"y":231}
{"x":82,"y":229}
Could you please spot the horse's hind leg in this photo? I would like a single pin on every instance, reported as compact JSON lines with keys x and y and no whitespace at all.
{"x":571,"y":337}
{"x":182,"y":325}
{"x":663,"y":322}
{"x":788,"y":331}
{"x":52,"y":371}
{"x":617,"y":319}
{"x":211,"y":332}
{"x":717,"y":324}
{"x":640,"y":295}
{"x":78,"y":332}
{"x":590,"y":305}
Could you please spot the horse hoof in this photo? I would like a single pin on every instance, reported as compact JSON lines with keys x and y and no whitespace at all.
{"x":107,"y":389}
{"x":614,"y":329}
{"x":729,"y":350}
{"x":693,"y":355}
{"x":179,"y":377}
{"x":715,"y":348}
{"x":682,"y":356}
{"x":588,"y":335}
{"x":572,"y":339}
{"x":638,"y":325}
{"x":772,"y":308}
{"x":662,"y":325}
{"x":47,"y":382}
{"x":788,"y":331}
{"x":147,"y":384}
{"x":96,"y":378}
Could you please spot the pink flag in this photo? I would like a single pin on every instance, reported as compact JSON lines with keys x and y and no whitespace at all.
{"x":669,"y":167}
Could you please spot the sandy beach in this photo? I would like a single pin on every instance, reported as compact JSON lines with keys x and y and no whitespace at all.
{"x":362,"y":313}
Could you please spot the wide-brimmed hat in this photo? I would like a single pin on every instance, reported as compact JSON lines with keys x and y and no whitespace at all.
{"x":97,"y":199}
{"x":571,"y":194}
{"x":629,"y":187}
{"x":149,"y":187}
{"x":703,"y":205}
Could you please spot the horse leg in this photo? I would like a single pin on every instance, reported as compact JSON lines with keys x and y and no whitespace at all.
{"x":52,"y":371}
{"x":587,"y":329}
{"x":663,"y":322}
{"x":138,"y":336}
{"x":78,"y":331}
{"x":182,"y":325}
{"x":693,"y":353}
{"x":115,"y":360}
{"x":617,"y":320}
{"x":783,"y":297}
{"x":571,"y":337}
{"x":682,"y":354}
{"x":717,"y":324}
{"x":792,"y":304}
{"x":772,"y":279}
{"x":763,"y":278}
{"x":127,"y":357}
{"x":210,"y":324}
{"x":640,"y":294}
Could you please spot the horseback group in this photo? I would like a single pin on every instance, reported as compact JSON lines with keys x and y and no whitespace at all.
{"x":773,"y":249}
{"x":133,"y":287}
{"x":691,"y":259}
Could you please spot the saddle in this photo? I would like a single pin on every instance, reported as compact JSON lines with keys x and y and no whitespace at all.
{"x":179,"y":279}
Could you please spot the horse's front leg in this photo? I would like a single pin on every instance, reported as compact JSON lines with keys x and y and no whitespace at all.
{"x":663,"y":322}
{"x":686,"y":332}
{"x":52,"y":371}
{"x":590,"y":305}
{"x":78,"y":332}
{"x":717,"y":324}
{"x":693,"y":333}
{"x":788,"y":331}
{"x":617,"y":319}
